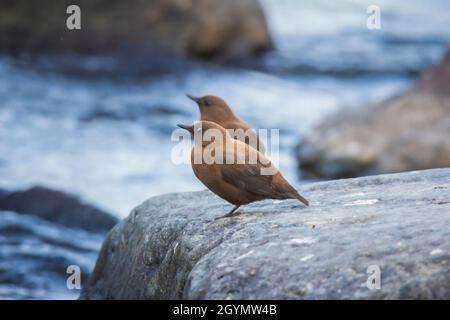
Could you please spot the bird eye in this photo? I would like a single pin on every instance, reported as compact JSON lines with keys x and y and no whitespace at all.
{"x":207,"y":103}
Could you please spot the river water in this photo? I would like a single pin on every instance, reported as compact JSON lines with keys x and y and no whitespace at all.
{"x":108,"y":139}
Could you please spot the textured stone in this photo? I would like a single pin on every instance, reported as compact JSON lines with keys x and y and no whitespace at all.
{"x":170,"y":247}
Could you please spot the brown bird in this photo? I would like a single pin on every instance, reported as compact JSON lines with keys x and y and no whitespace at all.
{"x":216,"y":110}
{"x":238,"y":182}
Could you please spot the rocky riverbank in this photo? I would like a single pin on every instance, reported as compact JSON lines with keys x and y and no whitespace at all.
{"x":407,"y":132}
{"x":170,"y":247}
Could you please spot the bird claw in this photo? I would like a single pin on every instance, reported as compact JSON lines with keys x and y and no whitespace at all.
{"x":228,"y":215}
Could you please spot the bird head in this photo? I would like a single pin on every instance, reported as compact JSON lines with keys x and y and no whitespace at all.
{"x":213,"y":109}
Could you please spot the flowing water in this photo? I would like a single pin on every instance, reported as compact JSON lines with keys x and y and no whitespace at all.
{"x":108,"y":139}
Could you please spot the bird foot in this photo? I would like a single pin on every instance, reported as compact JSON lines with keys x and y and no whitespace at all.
{"x":228,"y":215}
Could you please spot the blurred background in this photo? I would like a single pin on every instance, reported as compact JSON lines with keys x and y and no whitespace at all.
{"x":90,"y":112}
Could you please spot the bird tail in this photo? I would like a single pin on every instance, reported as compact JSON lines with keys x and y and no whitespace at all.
{"x":301,"y":199}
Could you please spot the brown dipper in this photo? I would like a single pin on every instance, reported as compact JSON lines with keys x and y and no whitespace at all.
{"x":216,"y":110}
{"x":238,"y":182}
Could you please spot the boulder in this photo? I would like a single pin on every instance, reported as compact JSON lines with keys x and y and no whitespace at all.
{"x":200,"y":28}
{"x":57,"y":207}
{"x":171,"y":247}
{"x":408,"y":132}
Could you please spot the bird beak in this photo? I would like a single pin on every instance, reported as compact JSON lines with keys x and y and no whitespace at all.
{"x":185,"y":127}
{"x":197,"y":100}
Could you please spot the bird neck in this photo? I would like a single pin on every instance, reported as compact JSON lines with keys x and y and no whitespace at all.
{"x":219,"y":115}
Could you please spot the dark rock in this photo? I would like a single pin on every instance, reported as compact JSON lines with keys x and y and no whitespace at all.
{"x":437,"y":78}
{"x":57,"y":207}
{"x":170,"y":247}
{"x":202,"y":28}
{"x":407,"y":132}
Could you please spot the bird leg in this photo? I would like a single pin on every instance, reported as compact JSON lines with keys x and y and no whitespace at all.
{"x":229,"y":214}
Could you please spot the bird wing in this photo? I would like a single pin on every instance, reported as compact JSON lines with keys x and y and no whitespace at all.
{"x":247,"y":177}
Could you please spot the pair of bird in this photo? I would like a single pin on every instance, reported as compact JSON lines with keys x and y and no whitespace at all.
{"x":236,"y":183}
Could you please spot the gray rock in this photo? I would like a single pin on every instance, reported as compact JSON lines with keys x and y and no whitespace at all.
{"x":170,"y":247}
{"x":408,"y":132}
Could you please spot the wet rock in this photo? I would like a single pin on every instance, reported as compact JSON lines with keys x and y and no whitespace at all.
{"x":170,"y":247}
{"x":57,"y":207}
{"x":408,"y":132}
{"x":202,"y":28}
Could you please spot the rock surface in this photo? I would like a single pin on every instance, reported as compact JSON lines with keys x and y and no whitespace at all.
{"x":407,"y":132}
{"x":170,"y":247}
{"x":201,"y":28}
{"x":57,"y":207}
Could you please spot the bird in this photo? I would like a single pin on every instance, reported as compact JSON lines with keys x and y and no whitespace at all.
{"x":215,"y":109}
{"x":239,"y":183}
